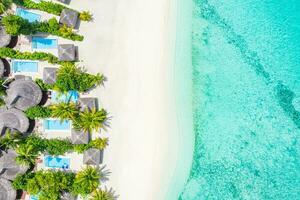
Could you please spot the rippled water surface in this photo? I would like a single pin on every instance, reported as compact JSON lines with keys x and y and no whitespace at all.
{"x":246,"y":77}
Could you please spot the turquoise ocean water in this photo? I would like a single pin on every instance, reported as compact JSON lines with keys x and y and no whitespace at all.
{"x":246,"y":100}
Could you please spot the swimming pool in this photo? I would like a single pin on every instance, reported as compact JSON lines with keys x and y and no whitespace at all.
{"x":70,"y":96}
{"x":30,"y":16}
{"x":57,"y":125}
{"x":33,"y":197}
{"x":24,"y":66}
{"x":57,"y":162}
{"x":43,"y":43}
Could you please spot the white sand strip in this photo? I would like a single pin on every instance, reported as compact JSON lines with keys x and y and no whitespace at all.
{"x":131,"y":42}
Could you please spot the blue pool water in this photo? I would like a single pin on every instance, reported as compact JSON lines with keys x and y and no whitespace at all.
{"x":246,"y":100}
{"x":33,"y":197}
{"x":24,"y":66}
{"x":57,"y":125}
{"x":30,"y":16}
{"x":57,"y":162}
{"x":70,"y":96}
{"x":43,"y":43}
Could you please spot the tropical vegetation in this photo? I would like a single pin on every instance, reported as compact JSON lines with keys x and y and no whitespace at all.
{"x":91,"y":120}
{"x":16,"y":25}
{"x":38,"y":112}
{"x":72,"y":77}
{"x":6,"y":52}
{"x":4,"y":5}
{"x":64,"y":110}
{"x":103,"y":194}
{"x":47,"y":6}
{"x":87,"y":180}
{"x":85,"y":16}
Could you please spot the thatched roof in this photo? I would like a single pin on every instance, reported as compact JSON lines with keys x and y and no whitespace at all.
{"x":10,"y":168}
{"x":13,"y":119}
{"x":6,"y":190}
{"x":23,"y":94}
{"x":2,"y":68}
{"x":67,"y":196}
{"x":4,"y":37}
{"x":49,"y":75}
{"x":80,"y":137}
{"x":92,"y":157}
{"x":66,"y":52}
{"x":69,"y":17}
{"x":87,"y":103}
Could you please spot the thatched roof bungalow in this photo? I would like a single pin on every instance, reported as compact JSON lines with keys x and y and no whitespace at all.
{"x":80,"y":137}
{"x":13,"y":119}
{"x":49,"y":75}
{"x":92,"y":157}
{"x":10,"y":169}
{"x":6,"y":190}
{"x":23,"y":94}
{"x":4,"y":37}
{"x":69,"y":17}
{"x":87,"y":103}
{"x":66,"y":52}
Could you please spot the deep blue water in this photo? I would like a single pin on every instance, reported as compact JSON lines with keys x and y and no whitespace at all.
{"x":246,"y":87}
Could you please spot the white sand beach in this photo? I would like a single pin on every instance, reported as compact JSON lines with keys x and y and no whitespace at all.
{"x":132,"y":43}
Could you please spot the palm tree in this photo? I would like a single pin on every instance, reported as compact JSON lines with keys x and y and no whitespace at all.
{"x":4,"y":5}
{"x":10,"y":139}
{"x":87,"y":180}
{"x":91,"y":120}
{"x":26,"y":154}
{"x":105,"y":194}
{"x":64,"y":111}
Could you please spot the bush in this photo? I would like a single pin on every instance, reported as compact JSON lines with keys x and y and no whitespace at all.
{"x":47,"y":6}
{"x":15,"y":25}
{"x":4,"y":5}
{"x":11,"y":53}
{"x":99,"y":143}
{"x":38,"y":112}
{"x":85,"y":16}
{"x":48,"y":184}
{"x":57,"y":146}
{"x":71,"y":77}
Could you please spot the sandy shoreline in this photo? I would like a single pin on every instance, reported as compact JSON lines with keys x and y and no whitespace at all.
{"x":131,"y":42}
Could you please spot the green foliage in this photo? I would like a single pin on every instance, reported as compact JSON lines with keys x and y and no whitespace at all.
{"x":4,"y":5}
{"x":47,"y":6}
{"x":71,"y":77}
{"x":89,"y":121}
{"x":58,"y":146}
{"x":44,"y":86}
{"x":15,"y":25}
{"x":64,"y":110}
{"x":101,"y":194}
{"x":11,"y":53}
{"x":99,"y":143}
{"x":85,"y":16}
{"x":38,"y":112}
{"x":87,"y":180}
{"x":10,"y":140}
{"x":48,"y":184}
{"x":26,"y":154}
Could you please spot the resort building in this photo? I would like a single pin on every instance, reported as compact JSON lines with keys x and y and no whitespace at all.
{"x":4,"y":37}
{"x":69,"y":17}
{"x":80,"y":137}
{"x":87,"y":103}
{"x":13,"y":119}
{"x":49,"y":75}
{"x":6,"y":190}
{"x":92,"y":157}
{"x":10,"y":169}
{"x":23,"y":93}
{"x":66,"y":52}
